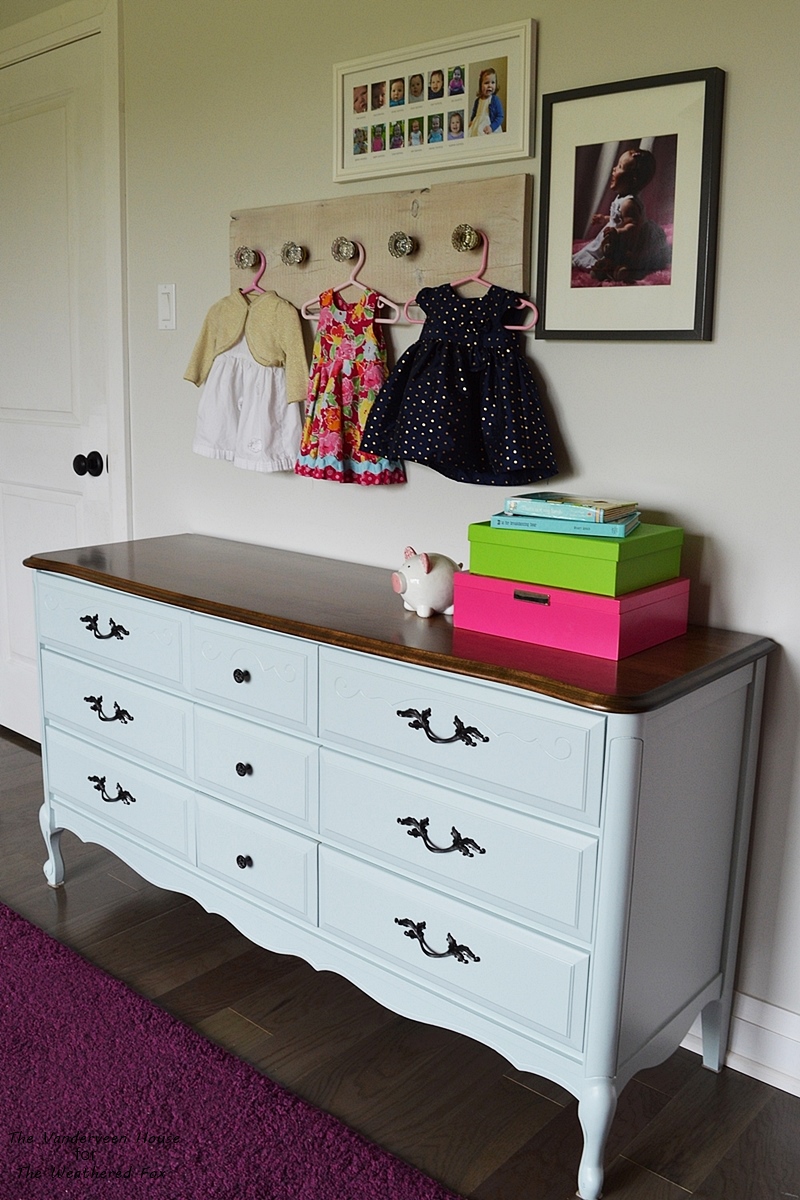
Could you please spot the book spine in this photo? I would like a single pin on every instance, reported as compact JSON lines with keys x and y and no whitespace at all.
{"x":553,"y":525}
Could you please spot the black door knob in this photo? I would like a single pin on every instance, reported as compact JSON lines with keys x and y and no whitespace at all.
{"x":88,"y":464}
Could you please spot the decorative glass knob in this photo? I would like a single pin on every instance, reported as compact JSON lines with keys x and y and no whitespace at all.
{"x":343,"y":249}
{"x":401,"y":244}
{"x":465,"y":238}
{"x":292,"y":254}
{"x":245,"y":258}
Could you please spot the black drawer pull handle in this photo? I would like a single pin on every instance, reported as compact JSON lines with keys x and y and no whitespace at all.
{"x":416,"y":929}
{"x":243,"y":860}
{"x":419,"y":829}
{"x":467,"y":734}
{"x":99,"y":782}
{"x":241,"y":676}
{"x":120,"y":714}
{"x":534,"y":597}
{"x":117,"y":631}
{"x":243,"y":769}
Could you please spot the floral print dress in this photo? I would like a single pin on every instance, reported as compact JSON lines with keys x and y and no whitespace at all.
{"x":348,"y":367}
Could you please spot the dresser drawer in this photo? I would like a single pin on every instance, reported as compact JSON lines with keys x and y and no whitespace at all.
{"x":272,"y":864}
{"x":273,"y":771}
{"x":521,"y":747}
{"x":115,"y":628}
{"x":129,"y":797}
{"x":536,"y":981}
{"x":513,"y":861}
{"x":265,"y":674}
{"x":135,"y":718}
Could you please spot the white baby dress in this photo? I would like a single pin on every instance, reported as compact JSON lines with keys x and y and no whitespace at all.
{"x":251,"y":360}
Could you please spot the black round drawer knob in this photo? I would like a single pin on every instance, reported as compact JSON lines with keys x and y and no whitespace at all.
{"x":241,"y":676}
{"x":244,"y":769}
{"x":243,"y":860}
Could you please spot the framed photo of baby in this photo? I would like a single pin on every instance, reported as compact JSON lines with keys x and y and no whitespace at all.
{"x":463,"y":100}
{"x":628,"y":209}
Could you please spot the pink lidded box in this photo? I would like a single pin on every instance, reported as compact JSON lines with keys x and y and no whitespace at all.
{"x":604,"y":626}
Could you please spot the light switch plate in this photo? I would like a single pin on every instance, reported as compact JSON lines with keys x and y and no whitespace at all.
{"x":166,"y":306}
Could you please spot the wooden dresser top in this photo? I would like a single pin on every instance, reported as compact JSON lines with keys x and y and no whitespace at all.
{"x":351,"y":605}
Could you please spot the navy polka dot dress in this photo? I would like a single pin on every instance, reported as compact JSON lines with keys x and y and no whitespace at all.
{"x":463,"y":399}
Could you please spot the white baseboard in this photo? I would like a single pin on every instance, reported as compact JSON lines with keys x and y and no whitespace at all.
{"x":764,"y":1043}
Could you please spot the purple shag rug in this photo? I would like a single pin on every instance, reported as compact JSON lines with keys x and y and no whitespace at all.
{"x":105,"y":1095}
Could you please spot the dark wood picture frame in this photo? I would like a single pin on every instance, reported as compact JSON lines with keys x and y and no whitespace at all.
{"x":682,"y":114}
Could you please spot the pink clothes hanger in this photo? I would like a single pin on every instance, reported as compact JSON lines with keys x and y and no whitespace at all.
{"x":523,"y":303}
{"x":478,"y":277}
{"x":309,"y":311}
{"x":254,"y":286}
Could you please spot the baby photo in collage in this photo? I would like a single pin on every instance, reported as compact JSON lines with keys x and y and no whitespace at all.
{"x":360,"y":139}
{"x":437,"y":103}
{"x":488,"y":86}
{"x":378,"y":138}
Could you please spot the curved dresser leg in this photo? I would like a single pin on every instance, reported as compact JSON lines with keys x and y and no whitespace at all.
{"x":54,"y":867}
{"x":596,"y":1108}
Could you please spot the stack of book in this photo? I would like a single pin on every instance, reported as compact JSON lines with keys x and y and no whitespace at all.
{"x":556,"y":512}
{"x":612,"y":581}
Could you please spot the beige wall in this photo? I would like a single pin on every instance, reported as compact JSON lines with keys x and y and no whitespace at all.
{"x":229,"y":106}
{"x":13,"y":11}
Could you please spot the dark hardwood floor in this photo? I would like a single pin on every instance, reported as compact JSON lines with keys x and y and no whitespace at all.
{"x":454,"y":1108}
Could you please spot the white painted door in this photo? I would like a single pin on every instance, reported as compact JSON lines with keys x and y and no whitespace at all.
{"x":54,"y":335}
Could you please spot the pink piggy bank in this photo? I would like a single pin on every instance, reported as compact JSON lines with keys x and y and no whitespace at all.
{"x":425,"y":581}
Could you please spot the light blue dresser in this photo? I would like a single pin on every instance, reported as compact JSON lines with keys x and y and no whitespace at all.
{"x":541,"y":850}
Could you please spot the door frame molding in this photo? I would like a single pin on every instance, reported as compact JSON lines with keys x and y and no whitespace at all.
{"x":71,"y":22}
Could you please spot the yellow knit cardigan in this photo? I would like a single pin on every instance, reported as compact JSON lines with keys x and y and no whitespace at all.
{"x":274,"y":335}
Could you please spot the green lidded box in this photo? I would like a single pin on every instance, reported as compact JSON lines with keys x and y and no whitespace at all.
{"x":605,"y":566}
